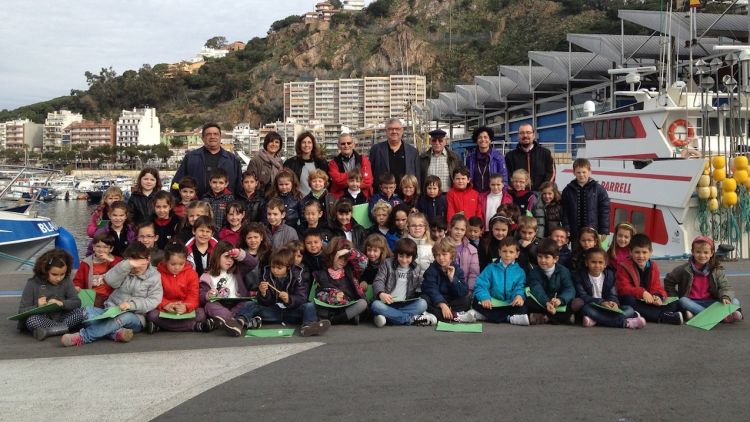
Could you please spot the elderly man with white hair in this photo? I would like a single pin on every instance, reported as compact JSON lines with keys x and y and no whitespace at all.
{"x":395,"y":156}
{"x":345,"y":161}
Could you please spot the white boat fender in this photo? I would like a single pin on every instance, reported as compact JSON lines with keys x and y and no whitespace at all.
{"x":67,"y":242}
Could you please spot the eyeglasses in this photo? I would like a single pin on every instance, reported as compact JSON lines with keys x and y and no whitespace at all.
{"x":394,"y":129}
{"x":345,"y":143}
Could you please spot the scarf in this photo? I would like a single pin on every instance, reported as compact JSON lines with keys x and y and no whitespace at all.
{"x":336,"y":274}
{"x":702,"y":271}
{"x":271,"y":160}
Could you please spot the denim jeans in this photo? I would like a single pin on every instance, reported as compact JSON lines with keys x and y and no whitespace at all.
{"x":95,"y":330}
{"x":304,"y":313}
{"x":696,"y":306}
{"x":399,"y":313}
{"x":606,"y":318}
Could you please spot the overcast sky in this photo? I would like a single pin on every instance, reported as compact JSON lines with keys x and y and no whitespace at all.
{"x":47,"y":45}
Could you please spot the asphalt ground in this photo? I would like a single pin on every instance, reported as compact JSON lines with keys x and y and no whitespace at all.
{"x":540,"y":373}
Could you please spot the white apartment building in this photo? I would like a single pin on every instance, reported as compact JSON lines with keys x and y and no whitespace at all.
{"x":406,"y":90}
{"x":2,"y":135}
{"x":246,"y":138}
{"x":377,"y":100}
{"x":327,"y":100}
{"x":299,"y":101}
{"x":352,"y":102}
{"x":353,"y":5}
{"x":138,"y":127}
{"x":212,"y":53}
{"x":54,"y":125}
{"x":20,"y":134}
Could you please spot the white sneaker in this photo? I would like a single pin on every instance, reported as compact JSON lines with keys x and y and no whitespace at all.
{"x":522,"y":319}
{"x":379,"y":321}
{"x":426,"y":319}
{"x":466,"y":317}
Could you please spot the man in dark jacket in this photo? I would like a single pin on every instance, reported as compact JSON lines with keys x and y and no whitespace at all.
{"x":532,"y":157}
{"x":394,"y":156}
{"x":201,"y":162}
{"x":439,"y":160}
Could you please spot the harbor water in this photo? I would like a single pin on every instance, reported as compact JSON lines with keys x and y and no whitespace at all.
{"x":73,"y":215}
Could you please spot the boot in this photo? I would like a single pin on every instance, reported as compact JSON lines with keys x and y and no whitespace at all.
{"x":339,"y":318}
{"x":42,"y":333}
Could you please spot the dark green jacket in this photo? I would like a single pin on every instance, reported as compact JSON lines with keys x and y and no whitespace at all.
{"x":544,"y":289}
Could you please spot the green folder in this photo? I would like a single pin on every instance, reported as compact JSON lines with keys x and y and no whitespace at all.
{"x":669,"y":300}
{"x":361,"y":215}
{"x":329,"y":305}
{"x":270,"y":332}
{"x":459,"y":328}
{"x":87,"y":297}
{"x":561,"y":308}
{"x":109,"y":313}
{"x":709,"y":317}
{"x":604,"y":308}
{"x":44,"y":309}
{"x":497,"y":303}
{"x":230,"y":299}
{"x":169,"y":315}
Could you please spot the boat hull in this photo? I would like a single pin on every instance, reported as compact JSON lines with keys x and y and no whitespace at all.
{"x":21,"y":237}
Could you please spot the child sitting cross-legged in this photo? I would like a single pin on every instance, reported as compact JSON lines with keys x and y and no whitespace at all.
{"x":444,"y":287}
{"x":551,"y":286}
{"x":338,"y":283}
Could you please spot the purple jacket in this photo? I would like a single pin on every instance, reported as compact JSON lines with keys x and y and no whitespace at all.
{"x":468,"y":259}
{"x":497,"y":165}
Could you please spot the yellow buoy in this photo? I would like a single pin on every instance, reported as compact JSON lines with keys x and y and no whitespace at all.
{"x":714,"y":192}
{"x":729,"y":185}
{"x":719,"y":174}
{"x":706,"y":165}
{"x":747,"y":183}
{"x":704,"y":192}
{"x":728,"y":199}
{"x":740,"y":175}
{"x":740,"y":162}
{"x":713,"y":204}
{"x":704,"y":181}
{"x":718,"y":161}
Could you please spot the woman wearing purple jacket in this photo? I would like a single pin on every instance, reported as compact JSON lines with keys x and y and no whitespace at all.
{"x":485,"y":160}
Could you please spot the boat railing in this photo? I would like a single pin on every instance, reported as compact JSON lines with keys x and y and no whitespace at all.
{"x":19,"y":172}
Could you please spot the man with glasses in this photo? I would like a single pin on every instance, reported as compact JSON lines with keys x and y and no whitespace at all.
{"x":532,"y":157}
{"x":395,"y":156}
{"x":347,"y":160}
{"x":439,"y":160}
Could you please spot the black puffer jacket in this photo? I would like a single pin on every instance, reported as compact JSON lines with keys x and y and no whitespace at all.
{"x":140,"y":207}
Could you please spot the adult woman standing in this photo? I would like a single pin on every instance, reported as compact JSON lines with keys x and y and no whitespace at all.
{"x":485,"y":160}
{"x":308,"y":158}
{"x":266,"y":164}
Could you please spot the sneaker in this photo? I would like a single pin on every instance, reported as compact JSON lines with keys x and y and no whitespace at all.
{"x":205,"y":326}
{"x":255,"y":322}
{"x":466,"y":317}
{"x":220,"y":322}
{"x":737,"y":315}
{"x":233,"y":327}
{"x":379,"y":321}
{"x":150,"y":327}
{"x":521,"y":319}
{"x":536,"y":319}
{"x":635,"y":323}
{"x":75,"y":339}
{"x":688,"y":315}
{"x":588,"y":322}
{"x":314,"y":328}
{"x":123,"y":335}
{"x":672,"y":318}
{"x":425,"y":320}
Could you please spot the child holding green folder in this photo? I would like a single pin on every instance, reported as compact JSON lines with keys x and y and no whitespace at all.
{"x":701,"y":281}
{"x":597,"y":297}
{"x":551,"y":287}
{"x":51,"y":286}
{"x":338,"y":283}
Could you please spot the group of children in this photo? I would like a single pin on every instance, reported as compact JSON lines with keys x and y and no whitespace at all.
{"x":237,"y":260}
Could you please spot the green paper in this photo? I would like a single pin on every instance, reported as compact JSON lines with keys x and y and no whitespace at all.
{"x":87,"y":296}
{"x":112,"y":312}
{"x":497,"y":303}
{"x":168,"y":315}
{"x":230,"y":299}
{"x":369,"y":293}
{"x":270,"y":332}
{"x":561,"y":308}
{"x":329,"y":305}
{"x":361,"y":215}
{"x":44,"y":309}
{"x":604,"y":308}
{"x":709,"y":317}
{"x":669,"y":300}
{"x":405,"y":300}
{"x":459,"y":328}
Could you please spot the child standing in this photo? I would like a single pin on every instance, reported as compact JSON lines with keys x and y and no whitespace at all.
{"x":462,"y":197}
{"x":194,"y":210}
{"x":314,"y":220}
{"x":51,"y":284}
{"x":219,"y":195}
{"x":387,"y":186}
{"x":286,"y":188}
{"x":595,"y":285}
{"x":444,"y":287}
{"x":90,"y":274}
{"x":433,"y":203}
{"x":345,"y":226}
{"x":137,"y":291}
{"x":395,"y":287}
{"x":354,"y":193}
{"x":140,"y":203}
{"x":420,"y":234}
{"x":467,"y":256}
{"x":200,"y":247}
{"x":223,"y":280}
{"x":281,"y":234}
{"x":380,"y":212}
{"x":282,"y":297}
{"x":188,"y":188}
{"x":587,"y":192}
{"x":619,"y":250}
{"x":180,"y":295}
{"x":118,"y":227}
{"x":701,"y":281}
{"x":491,"y":200}
{"x":639,"y":285}
{"x":100,"y":216}
{"x":503,"y":280}
{"x":409,"y":186}
{"x":255,"y":204}
{"x":165,"y":221}
{"x":318,"y":180}
{"x":547,"y":210}
{"x":234,"y":218}
{"x":397,"y":224}
{"x":338,"y":283}
{"x":520,"y":191}
{"x":551,"y":285}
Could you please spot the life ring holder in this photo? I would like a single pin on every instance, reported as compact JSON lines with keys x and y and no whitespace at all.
{"x":672,"y":133}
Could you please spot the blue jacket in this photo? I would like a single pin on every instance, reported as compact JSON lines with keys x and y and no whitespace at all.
{"x":393,"y":200}
{"x":437,"y":287}
{"x":584,"y":287}
{"x":292,"y":209}
{"x":497,"y":164}
{"x":433,"y":208}
{"x":500,"y":282}
{"x":380,"y":165}
{"x":597,"y":207}
{"x":193,"y":165}
{"x":544,"y":288}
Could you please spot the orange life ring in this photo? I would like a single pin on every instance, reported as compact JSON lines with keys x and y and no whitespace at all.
{"x":673,"y":135}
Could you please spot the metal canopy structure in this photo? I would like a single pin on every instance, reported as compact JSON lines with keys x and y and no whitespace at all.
{"x":494,"y":85}
{"x":573,"y":65}
{"x":715,"y":25}
{"x":529,"y":79}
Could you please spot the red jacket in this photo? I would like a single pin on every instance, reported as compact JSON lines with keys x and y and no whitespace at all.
{"x":339,"y":183}
{"x":229,"y":235}
{"x":466,"y":200}
{"x":629,"y":282}
{"x":82,"y":279}
{"x":182,"y":287}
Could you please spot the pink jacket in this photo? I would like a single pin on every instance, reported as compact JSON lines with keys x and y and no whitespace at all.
{"x":468,"y":259}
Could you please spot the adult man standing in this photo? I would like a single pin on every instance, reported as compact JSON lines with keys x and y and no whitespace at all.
{"x":394,"y":156}
{"x":439,"y":160}
{"x":201,"y":162}
{"x":532,"y":157}
{"x":347,"y":160}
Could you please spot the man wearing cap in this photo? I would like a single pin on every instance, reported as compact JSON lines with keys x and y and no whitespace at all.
{"x":439,"y":160}
{"x":394,"y":156}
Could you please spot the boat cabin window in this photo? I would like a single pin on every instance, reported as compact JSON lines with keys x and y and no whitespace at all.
{"x":739,"y":127}
{"x":615,"y":129}
{"x":713,"y":126}
{"x":639,"y":221}
{"x":628,"y":130}
{"x":601,"y":129}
